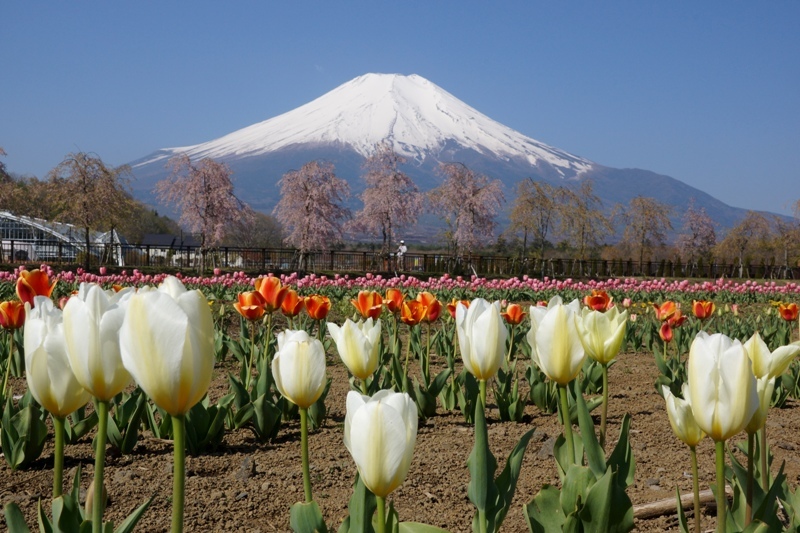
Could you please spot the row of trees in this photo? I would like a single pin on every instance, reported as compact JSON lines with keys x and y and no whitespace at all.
{"x":311,"y":213}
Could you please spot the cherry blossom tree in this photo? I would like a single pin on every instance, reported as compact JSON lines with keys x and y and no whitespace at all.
{"x":310,"y":208}
{"x":391,"y":199}
{"x":91,"y":194}
{"x":469,"y":203}
{"x":203,"y":193}
{"x":698,"y":237}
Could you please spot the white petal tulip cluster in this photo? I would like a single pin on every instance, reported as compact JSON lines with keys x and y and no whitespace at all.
{"x":92,"y":320}
{"x":380,"y":433}
{"x":299,"y":368}
{"x":358,"y":344}
{"x":48,"y":373}
{"x":722,"y":388}
{"x":481,"y":337}
{"x":556,"y":346}
{"x":602,"y":333}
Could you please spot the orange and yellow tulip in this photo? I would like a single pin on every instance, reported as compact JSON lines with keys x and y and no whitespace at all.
{"x":665,"y":310}
{"x":513,"y":314}
{"x":665,"y":332}
{"x":12,"y":314}
{"x":703,"y":309}
{"x":413,"y":312}
{"x":292,"y":304}
{"x":273,"y":292}
{"x":788,"y":312}
{"x":394,"y":300}
{"x":34,"y":283}
{"x":433,"y":307}
{"x":599,"y":300}
{"x":369,"y":304}
{"x":451,"y":307}
{"x":250,"y":305}
{"x":318,"y":306}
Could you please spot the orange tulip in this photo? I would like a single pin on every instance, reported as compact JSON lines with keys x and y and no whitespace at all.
{"x":665,"y":332}
{"x":599,"y":300}
{"x":432,"y":305}
{"x":318,"y":306}
{"x":703,"y":309}
{"x":272,"y":291}
{"x":788,"y":312}
{"x":413,"y":312}
{"x":451,"y":307}
{"x":12,"y":314}
{"x":250,"y":305}
{"x":394,"y":300}
{"x":34,"y":283}
{"x":665,"y":310}
{"x":369,"y":304}
{"x":292,"y":304}
{"x":514,"y":314}
{"x":676,"y":319}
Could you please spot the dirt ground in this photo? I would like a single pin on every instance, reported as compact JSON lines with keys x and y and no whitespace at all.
{"x":246,"y":486}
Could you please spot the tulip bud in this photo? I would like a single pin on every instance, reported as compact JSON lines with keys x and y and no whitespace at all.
{"x":481,"y":337}
{"x":681,"y":418}
{"x":556,"y":347}
{"x":299,"y":368}
{"x":358,"y":344}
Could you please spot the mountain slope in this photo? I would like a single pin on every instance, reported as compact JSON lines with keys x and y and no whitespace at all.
{"x":428,"y":126}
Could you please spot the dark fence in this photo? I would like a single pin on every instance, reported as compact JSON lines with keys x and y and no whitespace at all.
{"x":283,"y":259}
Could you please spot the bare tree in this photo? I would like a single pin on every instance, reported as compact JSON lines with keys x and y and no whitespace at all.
{"x":786,"y":239}
{"x":698,"y":237}
{"x":536,"y":210}
{"x":646,"y":224}
{"x":468,"y":202}
{"x":745,"y":238}
{"x":263,"y":231}
{"x":583,"y":223}
{"x":391,"y":199}
{"x":4,"y":177}
{"x":203,"y":193}
{"x":311,"y":207}
{"x":91,"y":195}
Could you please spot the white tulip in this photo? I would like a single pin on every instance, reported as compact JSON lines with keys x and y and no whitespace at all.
{"x":556,"y":347}
{"x":765,"y":386}
{"x":299,"y":368}
{"x":380,"y":433}
{"x":482,"y":337}
{"x":167,"y":345}
{"x":47,"y":370}
{"x":92,"y":320}
{"x":602,"y":333}
{"x":358,"y":344}
{"x":766,"y":363}
{"x":681,"y":418}
{"x":722,"y":386}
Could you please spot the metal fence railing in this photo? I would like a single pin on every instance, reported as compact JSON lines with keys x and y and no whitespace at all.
{"x":287,"y":259}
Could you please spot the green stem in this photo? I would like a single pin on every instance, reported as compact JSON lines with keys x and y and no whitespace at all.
{"x":428,"y":357}
{"x":564,"y":407}
{"x":604,"y":411}
{"x":8,"y":362}
{"x":764,"y":465}
{"x":510,"y":347}
{"x":482,"y":389}
{"x":248,"y":377}
{"x":381,"y":514}
{"x":695,"y":489}
{"x":58,"y":457}
{"x":304,"y":450}
{"x":320,"y":334}
{"x":722,"y":501}
{"x":178,"y":471}
{"x":364,"y":387}
{"x":748,"y":510}
{"x":408,"y":352}
{"x":99,"y":466}
{"x":482,"y":525}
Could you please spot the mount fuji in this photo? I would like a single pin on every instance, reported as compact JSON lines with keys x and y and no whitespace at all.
{"x":428,"y":126}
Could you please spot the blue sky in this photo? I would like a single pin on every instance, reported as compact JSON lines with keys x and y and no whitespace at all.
{"x":706,"y":92}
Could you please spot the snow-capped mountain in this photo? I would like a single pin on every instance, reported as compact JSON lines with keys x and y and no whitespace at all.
{"x":428,"y":126}
{"x":418,"y":117}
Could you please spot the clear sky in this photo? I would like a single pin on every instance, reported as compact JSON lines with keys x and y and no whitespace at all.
{"x":706,"y":92}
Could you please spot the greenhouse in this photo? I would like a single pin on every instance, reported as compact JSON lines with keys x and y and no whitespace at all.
{"x":35,"y":239}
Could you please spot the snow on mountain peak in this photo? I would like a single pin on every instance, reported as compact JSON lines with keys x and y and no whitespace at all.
{"x":416,"y":116}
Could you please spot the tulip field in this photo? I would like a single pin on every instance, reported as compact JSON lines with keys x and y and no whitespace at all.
{"x":313,"y":403}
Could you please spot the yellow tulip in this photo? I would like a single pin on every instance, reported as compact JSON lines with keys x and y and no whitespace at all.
{"x":358,"y":344}
{"x":167,"y":345}
{"x":766,"y":363}
{"x":602,"y":333}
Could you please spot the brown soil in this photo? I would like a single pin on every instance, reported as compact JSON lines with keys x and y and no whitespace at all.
{"x":246,"y":486}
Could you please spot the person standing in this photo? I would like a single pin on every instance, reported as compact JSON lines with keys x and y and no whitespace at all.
{"x":401,"y":252}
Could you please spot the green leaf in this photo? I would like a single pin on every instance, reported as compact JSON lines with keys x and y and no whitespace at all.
{"x":596,"y":511}
{"x":130,"y":522}
{"x":543,"y":513}
{"x":506,"y":482}
{"x":595,"y":455}
{"x":682,"y":522}
{"x":362,"y":507}
{"x":481,"y":490}
{"x":621,"y":460}
{"x":15,"y":519}
{"x":416,"y":527}
{"x":307,"y":518}
{"x":576,"y":484}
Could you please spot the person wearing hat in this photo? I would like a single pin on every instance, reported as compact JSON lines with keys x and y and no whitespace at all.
{"x":401,"y":252}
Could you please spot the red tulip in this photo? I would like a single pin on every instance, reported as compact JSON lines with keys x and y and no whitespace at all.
{"x":394,"y":300}
{"x":34,"y":283}
{"x":788,"y":311}
{"x":292,"y":304}
{"x":413,"y":312}
{"x":703,"y":309}
{"x":318,"y":306}
{"x":433,"y":307}
{"x":272,"y":291}
{"x":514,"y":314}
{"x":451,"y":307}
{"x":12,"y":314}
{"x":369,"y":304}
{"x":251,"y":305}
{"x":599,"y":300}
